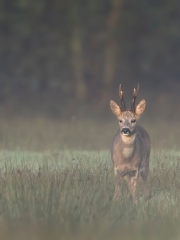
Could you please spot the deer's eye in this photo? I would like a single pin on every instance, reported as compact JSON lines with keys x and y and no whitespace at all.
{"x":133,"y":120}
{"x":120,"y":121}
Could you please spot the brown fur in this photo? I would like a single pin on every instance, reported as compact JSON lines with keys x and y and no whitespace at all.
{"x":130,"y":152}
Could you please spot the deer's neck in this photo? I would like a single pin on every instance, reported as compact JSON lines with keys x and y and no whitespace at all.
{"x":128,"y":146}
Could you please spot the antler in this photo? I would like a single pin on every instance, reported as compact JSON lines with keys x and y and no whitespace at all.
{"x":135,"y":93}
{"x":123,"y":106}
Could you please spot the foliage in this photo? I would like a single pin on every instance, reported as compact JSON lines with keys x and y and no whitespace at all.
{"x":62,"y":53}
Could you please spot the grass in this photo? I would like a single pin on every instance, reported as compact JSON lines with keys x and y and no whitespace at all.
{"x":68,"y":194}
{"x":57,"y":182}
{"x":39,"y":134}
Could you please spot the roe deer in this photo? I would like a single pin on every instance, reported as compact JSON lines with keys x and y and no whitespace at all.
{"x":131,"y":145}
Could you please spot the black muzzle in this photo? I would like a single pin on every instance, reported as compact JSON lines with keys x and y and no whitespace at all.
{"x":126,"y":131}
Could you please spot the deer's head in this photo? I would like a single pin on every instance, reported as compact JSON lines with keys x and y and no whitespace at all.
{"x":128,"y":118}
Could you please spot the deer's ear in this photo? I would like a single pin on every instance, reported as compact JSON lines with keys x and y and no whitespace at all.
{"x":140,"y":108}
{"x":115,"y":108}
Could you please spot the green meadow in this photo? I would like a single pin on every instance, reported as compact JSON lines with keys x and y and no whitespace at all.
{"x":56,"y":182}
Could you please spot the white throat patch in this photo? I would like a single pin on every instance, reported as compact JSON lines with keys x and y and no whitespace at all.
{"x":128,"y":149}
{"x":128,"y":140}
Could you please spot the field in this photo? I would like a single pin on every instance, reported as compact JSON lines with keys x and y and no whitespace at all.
{"x":57,"y":182}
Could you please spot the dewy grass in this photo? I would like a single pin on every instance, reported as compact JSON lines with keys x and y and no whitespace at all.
{"x":57,"y":182}
{"x":69,"y":195}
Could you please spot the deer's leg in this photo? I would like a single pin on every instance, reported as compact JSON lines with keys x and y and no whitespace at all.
{"x":118,"y":182}
{"x":132,"y":183}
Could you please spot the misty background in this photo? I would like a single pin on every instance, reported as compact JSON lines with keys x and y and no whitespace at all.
{"x":66,"y":58}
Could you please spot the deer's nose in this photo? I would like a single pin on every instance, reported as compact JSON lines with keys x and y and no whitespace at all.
{"x":126,"y":131}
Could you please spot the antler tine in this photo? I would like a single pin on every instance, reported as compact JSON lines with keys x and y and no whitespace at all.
{"x":135,"y":93}
{"x":123,"y":106}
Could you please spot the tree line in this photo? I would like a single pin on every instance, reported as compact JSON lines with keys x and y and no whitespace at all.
{"x":76,"y":50}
